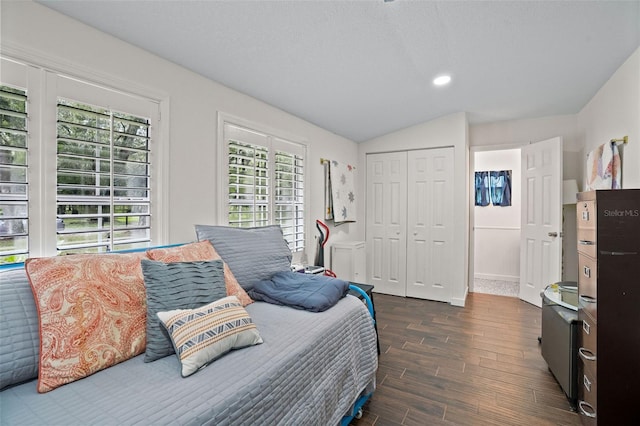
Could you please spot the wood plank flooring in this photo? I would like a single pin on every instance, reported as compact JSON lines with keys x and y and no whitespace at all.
{"x":477,"y":365}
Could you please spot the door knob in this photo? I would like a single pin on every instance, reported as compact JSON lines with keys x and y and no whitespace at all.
{"x":553,"y":234}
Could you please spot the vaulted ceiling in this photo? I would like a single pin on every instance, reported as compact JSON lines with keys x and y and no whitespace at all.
{"x":364,"y":68}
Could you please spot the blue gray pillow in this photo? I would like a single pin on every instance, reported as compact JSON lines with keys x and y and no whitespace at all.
{"x":177,"y":285}
{"x":253,"y":254}
{"x":19,"y":333}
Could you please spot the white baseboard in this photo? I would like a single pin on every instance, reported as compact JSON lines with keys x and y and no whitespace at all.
{"x":460,"y":301}
{"x":497,"y":277}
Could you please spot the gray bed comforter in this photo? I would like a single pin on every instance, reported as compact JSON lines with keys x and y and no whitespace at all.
{"x":310,"y":369}
{"x":315,"y":293}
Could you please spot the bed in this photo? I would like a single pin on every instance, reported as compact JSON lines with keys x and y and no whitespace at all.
{"x":313,"y":368}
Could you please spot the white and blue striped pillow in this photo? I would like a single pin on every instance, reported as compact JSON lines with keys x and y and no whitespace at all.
{"x":202,"y":335}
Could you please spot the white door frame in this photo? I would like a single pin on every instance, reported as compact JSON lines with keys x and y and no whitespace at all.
{"x":471,"y":179}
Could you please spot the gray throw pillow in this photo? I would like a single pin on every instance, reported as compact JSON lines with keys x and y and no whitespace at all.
{"x":19,"y":333}
{"x":178,"y":285}
{"x":253,"y":254}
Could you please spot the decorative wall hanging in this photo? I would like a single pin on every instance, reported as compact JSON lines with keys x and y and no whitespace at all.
{"x":604,"y":166}
{"x":340,"y":196}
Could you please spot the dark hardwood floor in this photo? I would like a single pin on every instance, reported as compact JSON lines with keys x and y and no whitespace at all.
{"x":477,"y":365}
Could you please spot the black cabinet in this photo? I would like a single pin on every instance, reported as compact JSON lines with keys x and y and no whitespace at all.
{"x":609,"y":306}
{"x":560,"y":327}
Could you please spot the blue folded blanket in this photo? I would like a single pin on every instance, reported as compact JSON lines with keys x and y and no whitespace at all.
{"x":315,"y":293}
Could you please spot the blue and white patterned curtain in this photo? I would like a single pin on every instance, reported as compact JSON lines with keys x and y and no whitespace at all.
{"x":500,"y":184}
{"x":482,"y":189}
{"x":493,"y":188}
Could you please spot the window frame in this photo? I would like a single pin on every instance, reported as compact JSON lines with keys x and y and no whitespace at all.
{"x":15,"y":75}
{"x":62,"y":86}
{"x":274,"y":140}
{"x":103,"y":152}
{"x":45,"y":80}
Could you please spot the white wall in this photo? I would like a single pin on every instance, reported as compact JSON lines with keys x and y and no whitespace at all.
{"x":497,"y":229}
{"x":521,"y":132}
{"x":613,"y":113}
{"x":37,"y":34}
{"x":451,"y":130}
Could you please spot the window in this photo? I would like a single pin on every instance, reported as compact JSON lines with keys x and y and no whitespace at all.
{"x":103,"y":174}
{"x":14,"y":224}
{"x":80,"y":168}
{"x":265,"y":182}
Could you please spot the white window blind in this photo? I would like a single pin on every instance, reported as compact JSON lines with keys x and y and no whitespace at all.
{"x":103,"y":179}
{"x":248,"y":185}
{"x":265,"y":182}
{"x":14,"y":223}
{"x":289,"y":197}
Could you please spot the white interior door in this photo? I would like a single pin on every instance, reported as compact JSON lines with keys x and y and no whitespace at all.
{"x":387,"y":222}
{"x":540,"y":241}
{"x":430,"y":224}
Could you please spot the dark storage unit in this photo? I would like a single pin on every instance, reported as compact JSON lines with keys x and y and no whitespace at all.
{"x":560,"y":344}
{"x":609,"y":306}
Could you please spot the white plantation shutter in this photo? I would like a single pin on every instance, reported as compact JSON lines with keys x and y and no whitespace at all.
{"x":265,"y":182}
{"x":101,"y":152}
{"x":289,"y":194}
{"x":248,"y":185}
{"x":14,"y":194}
{"x":103,"y":179}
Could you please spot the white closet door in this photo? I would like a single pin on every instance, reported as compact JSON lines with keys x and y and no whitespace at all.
{"x":430,"y":224}
{"x":387,"y":222}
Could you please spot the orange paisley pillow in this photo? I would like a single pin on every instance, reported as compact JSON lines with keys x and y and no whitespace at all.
{"x":200,"y":252}
{"x":92,"y":311}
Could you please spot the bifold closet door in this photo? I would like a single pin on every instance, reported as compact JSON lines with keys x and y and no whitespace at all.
{"x":386,"y":222}
{"x":430,"y":224}
{"x":410,"y":223}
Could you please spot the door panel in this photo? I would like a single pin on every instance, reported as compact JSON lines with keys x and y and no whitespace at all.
{"x":377,"y":209}
{"x":419,"y":255}
{"x":541,"y":254}
{"x":430,"y":224}
{"x":386,"y":222}
{"x":376,"y":251}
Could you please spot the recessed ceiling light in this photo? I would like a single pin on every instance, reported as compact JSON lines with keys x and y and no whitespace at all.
{"x":442,"y":80}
